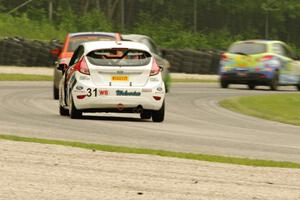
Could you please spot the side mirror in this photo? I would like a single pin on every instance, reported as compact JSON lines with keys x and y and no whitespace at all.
{"x":55,"y":52}
{"x":161,"y":67}
{"x":62,"y":67}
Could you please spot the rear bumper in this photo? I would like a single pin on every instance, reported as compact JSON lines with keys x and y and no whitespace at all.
{"x":110,"y":99}
{"x":261,"y":78}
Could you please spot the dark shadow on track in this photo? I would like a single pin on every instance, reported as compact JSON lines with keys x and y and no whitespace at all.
{"x":113,"y":118}
{"x":263,"y":89}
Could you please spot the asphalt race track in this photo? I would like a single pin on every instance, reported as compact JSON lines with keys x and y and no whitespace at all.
{"x":194,"y":123}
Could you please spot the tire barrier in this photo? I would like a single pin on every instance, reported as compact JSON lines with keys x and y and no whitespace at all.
{"x":22,"y":52}
{"x":202,"y":61}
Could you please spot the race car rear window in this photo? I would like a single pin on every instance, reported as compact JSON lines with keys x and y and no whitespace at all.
{"x":248,"y":48}
{"x":119,"y":57}
{"x":77,"y":40}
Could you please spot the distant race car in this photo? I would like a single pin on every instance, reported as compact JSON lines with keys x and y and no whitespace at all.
{"x":73,"y":40}
{"x":157,"y":53}
{"x":260,"y":62}
{"x":112,"y":76}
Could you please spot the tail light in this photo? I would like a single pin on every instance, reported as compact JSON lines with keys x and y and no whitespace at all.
{"x":155,"y":68}
{"x":266,"y":58}
{"x":82,"y":67}
{"x":224,"y":57}
{"x":81,"y":96}
{"x":157,"y":98}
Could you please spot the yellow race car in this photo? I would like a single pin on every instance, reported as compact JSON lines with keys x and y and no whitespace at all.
{"x":260,"y":62}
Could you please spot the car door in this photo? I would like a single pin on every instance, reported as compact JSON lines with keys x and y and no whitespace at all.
{"x":288,"y":69}
{"x":69,"y":74}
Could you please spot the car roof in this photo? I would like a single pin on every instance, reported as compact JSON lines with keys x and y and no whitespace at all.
{"x":92,"y":33}
{"x":93,"y":45}
{"x":264,"y":41}
{"x":135,"y":37}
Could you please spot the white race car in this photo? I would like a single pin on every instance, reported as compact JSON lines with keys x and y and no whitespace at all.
{"x":112,"y":76}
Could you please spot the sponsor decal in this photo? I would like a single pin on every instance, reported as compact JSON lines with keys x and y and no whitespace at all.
{"x":84,"y":78}
{"x":159,"y":89}
{"x":79,"y":87}
{"x":154,"y":79}
{"x":103,"y":92}
{"x":120,"y":72}
{"x":126,"y":93}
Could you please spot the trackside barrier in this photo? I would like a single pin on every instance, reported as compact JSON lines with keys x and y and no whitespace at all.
{"x":204,"y":61}
{"x":22,"y":52}
{"x":18,"y":51}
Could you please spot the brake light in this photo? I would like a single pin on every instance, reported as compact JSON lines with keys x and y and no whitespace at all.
{"x":81,"y":96}
{"x":155,"y":68}
{"x":224,"y":57}
{"x":82,"y":67}
{"x":266,"y":58}
{"x":157,"y":98}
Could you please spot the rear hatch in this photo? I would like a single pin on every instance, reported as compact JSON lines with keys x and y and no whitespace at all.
{"x":244,"y":56}
{"x":119,"y":67}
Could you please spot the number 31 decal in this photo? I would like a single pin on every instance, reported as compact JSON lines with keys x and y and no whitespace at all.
{"x":92,"y":92}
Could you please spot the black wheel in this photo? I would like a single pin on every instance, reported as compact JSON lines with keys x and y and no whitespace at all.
{"x":62,"y":111}
{"x":274,"y":82}
{"x":55,"y":93}
{"x":146,"y":114}
{"x":159,"y":115}
{"x":224,"y":84}
{"x":298,"y":86}
{"x":251,"y":86}
{"x":74,"y":113}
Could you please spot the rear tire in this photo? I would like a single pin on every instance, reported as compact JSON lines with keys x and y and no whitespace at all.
{"x":274,"y":82}
{"x":55,"y":93}
{"x":159,"y":115}
{"x":298,"y":86}
{"x":251,"y":86}
{"x":74,"y":113}
{"x":224,"y":84}
{"x":62,"y":111}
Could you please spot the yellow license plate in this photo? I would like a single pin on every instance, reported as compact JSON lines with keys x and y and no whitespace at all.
{"x":119,"y":78}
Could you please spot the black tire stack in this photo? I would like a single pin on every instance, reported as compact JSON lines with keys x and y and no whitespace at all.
{"x":22,"y":52}
{"x":193,"y":61}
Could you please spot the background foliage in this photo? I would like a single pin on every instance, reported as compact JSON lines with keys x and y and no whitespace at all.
{"x":170,"y":22}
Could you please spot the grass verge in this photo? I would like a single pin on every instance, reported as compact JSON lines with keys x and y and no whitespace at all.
{"x":25,"y":77}
{"x":283,"y":108}
{"x":191,"y":156}
{"x":32,"y":77}
{"x":188,"y":80}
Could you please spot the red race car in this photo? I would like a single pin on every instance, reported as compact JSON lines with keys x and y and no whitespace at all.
{"x":73,"y":40}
